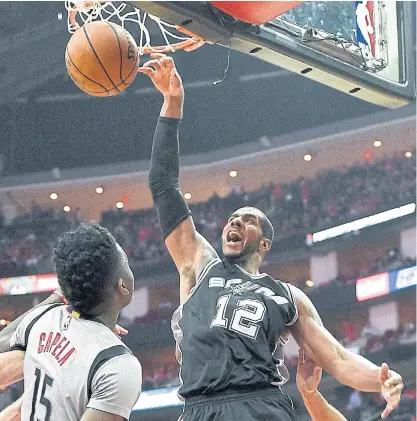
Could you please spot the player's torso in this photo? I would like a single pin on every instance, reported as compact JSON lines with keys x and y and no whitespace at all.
{"x":228,"y":330}
{"x":61,"y":355}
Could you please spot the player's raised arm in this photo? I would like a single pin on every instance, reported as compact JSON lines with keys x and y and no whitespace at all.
{"x":189,"y":250}
{"x":308,"y":379}
{"x":348,"y":368}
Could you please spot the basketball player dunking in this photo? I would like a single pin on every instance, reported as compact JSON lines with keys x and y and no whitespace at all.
{"x":231,"y":318}
{"x":75,"y":367}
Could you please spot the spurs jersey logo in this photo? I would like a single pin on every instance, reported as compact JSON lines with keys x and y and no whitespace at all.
{"x":245,"y":287}
{"x":238,"y":287}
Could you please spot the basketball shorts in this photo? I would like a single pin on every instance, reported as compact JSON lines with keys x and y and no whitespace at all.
{"x":263,"y":405}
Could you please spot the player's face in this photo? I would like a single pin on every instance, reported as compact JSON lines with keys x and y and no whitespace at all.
{"x":241,"y":235}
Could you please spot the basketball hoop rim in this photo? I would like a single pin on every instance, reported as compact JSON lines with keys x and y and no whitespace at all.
{"x":188,"y":45}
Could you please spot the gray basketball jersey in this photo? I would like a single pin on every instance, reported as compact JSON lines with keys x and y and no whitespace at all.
{"x":229,"y":331}
{"x":72,"y":364}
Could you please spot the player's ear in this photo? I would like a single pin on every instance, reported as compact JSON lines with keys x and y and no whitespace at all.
{"x":265,"y":245}
{"x":121,"y":287}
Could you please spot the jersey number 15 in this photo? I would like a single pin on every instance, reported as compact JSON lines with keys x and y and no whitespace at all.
{"x":46,"y":382}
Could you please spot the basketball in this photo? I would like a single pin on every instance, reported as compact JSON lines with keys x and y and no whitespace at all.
{"x":102,"y":58}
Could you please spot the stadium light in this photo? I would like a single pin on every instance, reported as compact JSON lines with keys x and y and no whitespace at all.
{"x":233,"y":173}
{"x":99,"y":190}
{"x":53,"y":196}
{"x":361,"y":223}
{"x":308,"y":157}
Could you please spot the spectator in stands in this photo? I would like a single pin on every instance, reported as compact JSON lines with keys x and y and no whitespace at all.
{"x":296,"y":207}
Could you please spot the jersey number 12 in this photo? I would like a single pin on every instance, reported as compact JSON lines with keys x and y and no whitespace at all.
{"x":47,"y":382}
{"x":246,"y":317}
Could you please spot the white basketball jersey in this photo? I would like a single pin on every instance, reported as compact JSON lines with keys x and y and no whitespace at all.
{"x":72,"y":364}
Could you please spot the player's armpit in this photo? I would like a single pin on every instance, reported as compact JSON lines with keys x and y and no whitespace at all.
{"x":96,"y":415}
{"x":347,"y":367}
{"x":11,"y":367}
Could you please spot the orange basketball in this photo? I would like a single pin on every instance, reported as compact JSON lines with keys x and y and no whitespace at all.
{"x":102,"y":58}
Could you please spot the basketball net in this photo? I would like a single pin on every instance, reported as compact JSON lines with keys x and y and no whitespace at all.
{"x":81,"y":13}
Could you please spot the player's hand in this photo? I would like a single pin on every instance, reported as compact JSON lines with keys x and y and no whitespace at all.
{"x":119,"y":330}
{"x":392,"y":386}
{"x":308,"y":374}
{"x":164,"y":75}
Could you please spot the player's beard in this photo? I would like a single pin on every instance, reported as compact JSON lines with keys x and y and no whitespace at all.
{"x":244,"y":255}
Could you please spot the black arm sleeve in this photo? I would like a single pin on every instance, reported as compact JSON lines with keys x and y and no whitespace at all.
{"x":170,"y":205}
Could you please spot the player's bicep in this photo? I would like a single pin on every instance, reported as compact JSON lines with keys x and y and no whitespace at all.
{"x":97,"y":415}
{"x":116,"y":386}
{"x":312,"y":336}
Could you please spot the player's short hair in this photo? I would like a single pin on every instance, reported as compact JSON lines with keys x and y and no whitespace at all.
{"x":85,"y":260}
{"x":266,"y":225}
{"x":267,"y":228}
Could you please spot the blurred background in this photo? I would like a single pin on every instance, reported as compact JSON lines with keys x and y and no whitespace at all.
{"x":310,"y":157}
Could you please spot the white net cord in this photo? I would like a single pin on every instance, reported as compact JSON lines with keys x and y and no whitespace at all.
{"x":81,"y":13}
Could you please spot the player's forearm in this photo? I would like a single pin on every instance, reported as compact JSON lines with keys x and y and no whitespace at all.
{"x":319,"y":409}
{"x":11,"y":367}
{"x":171,"y":207}
{"x":7,"y":332}
{"x":355,"y":371}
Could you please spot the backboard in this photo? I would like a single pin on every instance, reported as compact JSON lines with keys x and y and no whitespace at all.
{"x":366,"y":49}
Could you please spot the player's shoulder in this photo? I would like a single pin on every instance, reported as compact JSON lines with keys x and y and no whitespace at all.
{"x":98,"y":336}
{"x":118,"y":360}
{"x":286,"y":286}
{"x":37,"y":313}
{"x":287,"y":290}
{"x":20,"y":337}
{"x":40,"y":311}
{"x":282,"y":285}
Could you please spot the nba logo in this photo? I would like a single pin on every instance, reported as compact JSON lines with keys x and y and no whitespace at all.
{"x":365,"y":36}
{"x":67,"y":323}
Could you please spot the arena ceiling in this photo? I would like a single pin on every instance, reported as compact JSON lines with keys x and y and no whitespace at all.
{"x":46,"y":123}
